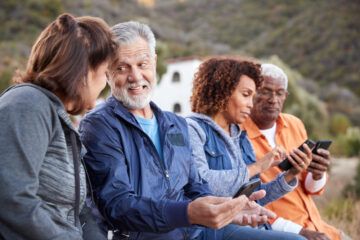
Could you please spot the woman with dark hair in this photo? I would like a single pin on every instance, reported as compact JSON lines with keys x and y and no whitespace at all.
{"x":221,"y":100}
{"x":42,"y":179}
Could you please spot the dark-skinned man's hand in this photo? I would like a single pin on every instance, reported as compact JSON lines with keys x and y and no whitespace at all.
{"x":313,"y":235}
{"x":319,"y":164}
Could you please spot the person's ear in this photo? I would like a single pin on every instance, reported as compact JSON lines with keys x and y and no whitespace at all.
{"x":108,"y":76}
{"x":286,"y":95}
{"x":155,"y":61}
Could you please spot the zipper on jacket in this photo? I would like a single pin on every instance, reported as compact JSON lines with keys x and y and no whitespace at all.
{"x":162,"y":164}
{"x":167,"y":174}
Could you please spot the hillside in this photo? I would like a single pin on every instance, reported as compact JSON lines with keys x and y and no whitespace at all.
{"x":318,"y":39}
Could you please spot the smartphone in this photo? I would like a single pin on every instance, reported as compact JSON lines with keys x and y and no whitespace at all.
{"x":285,"y":165}
{"x":248,"y":188}
{"x":324,"y":144}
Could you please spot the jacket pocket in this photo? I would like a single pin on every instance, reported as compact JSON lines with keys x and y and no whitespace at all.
{"x":216,"y":160}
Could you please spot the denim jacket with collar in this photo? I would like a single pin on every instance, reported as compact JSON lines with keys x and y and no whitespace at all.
{"x":208,"y":138}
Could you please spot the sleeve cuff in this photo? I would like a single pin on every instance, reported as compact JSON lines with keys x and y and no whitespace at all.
{"x":287,"y":186}
{"x":284,"y":225}
{"x":312,"y":185}
{"x":176,"y":214}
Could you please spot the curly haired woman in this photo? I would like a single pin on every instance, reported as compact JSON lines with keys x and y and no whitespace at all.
{"x":221,"y":100}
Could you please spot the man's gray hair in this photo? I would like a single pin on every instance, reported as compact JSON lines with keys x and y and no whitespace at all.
{"x":273,"y":71}
{"x":128,"y":32}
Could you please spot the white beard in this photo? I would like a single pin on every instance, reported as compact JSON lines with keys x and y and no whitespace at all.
{"x":134,"y":101}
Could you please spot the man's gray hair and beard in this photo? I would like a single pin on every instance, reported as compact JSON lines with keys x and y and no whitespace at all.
{"x":131,"y":101}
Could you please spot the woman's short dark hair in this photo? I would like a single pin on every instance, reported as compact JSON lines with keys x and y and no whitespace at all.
{"x":64,"y":53}
{"x":217,"y":79}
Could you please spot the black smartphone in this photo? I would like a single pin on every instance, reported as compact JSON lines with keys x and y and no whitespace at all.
{"x":248,"y":188}
{"x":285,"y":165}
{"x":324,"y":144}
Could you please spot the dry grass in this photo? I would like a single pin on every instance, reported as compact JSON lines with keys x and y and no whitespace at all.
{"x":341,"y":212}
{"x":344,"y":213}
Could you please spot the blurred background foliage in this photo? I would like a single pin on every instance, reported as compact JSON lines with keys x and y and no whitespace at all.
{"x":315,"y":42}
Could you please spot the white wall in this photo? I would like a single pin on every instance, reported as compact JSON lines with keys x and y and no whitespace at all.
{"x":168,"y":93}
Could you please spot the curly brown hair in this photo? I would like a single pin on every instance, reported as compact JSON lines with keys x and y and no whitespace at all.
{"x":217,"y":79}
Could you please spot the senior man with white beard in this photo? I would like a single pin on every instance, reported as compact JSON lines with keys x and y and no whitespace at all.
{"x":139,"y":161}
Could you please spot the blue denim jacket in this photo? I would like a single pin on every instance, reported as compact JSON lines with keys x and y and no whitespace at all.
{"x":210,"y":141}
{"x":206,"y":136}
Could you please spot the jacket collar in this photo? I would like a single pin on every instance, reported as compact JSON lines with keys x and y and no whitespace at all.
{"x":56,"y":102}
{"x":235,"y":129}
{"x":121,"y":111}
{"x":253,"y":130}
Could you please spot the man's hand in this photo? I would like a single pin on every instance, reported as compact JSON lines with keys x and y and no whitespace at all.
{"x":252,"y":213}
{"x":313,"y":235}
{"x":300,"y":162}
{"x":320,"y":163}
{"x":257,"y":195}
{"x":271,"y":159}
{"x":215,"y":212}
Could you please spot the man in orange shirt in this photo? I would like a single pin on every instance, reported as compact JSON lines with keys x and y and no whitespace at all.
{"x":268,"y":127}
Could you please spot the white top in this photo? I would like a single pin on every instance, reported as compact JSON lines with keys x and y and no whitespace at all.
{"x":270,"y":135}
{"x":314,"y":186}
{"x":284,"y":225}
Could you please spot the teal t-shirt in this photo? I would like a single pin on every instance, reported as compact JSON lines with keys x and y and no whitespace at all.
{"x":151,"y":128}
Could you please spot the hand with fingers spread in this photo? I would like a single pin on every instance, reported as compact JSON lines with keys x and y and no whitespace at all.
{"x":319,"y":164}
{"x":271,"y":159}
{"x":215,"y":212}
{"x":253,"y":214}
{"x":299,"y":160}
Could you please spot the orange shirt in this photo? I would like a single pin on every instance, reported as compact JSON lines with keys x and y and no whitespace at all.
{"x":297,"y":205}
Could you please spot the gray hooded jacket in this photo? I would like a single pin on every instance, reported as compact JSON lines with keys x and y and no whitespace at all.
{"x":37,"y":186}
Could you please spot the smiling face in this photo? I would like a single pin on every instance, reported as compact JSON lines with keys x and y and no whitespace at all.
{"x":133,"y":75}
{"x":241,"y":101}
{"x":268,"y":102}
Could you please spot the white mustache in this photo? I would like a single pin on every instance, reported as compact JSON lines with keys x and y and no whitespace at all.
{"x":141,"y":83}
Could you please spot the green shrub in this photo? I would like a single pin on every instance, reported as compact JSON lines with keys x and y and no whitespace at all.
{"x":339,"y":123}
{"x":347,"y":144}
{"x":339,"y":145}
{"x":353,"y":141}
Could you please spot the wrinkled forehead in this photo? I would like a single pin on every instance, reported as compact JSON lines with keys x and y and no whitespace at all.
{"x":137,"y":47}
{"x":273,"y":83}
{"x":134,"y":57}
